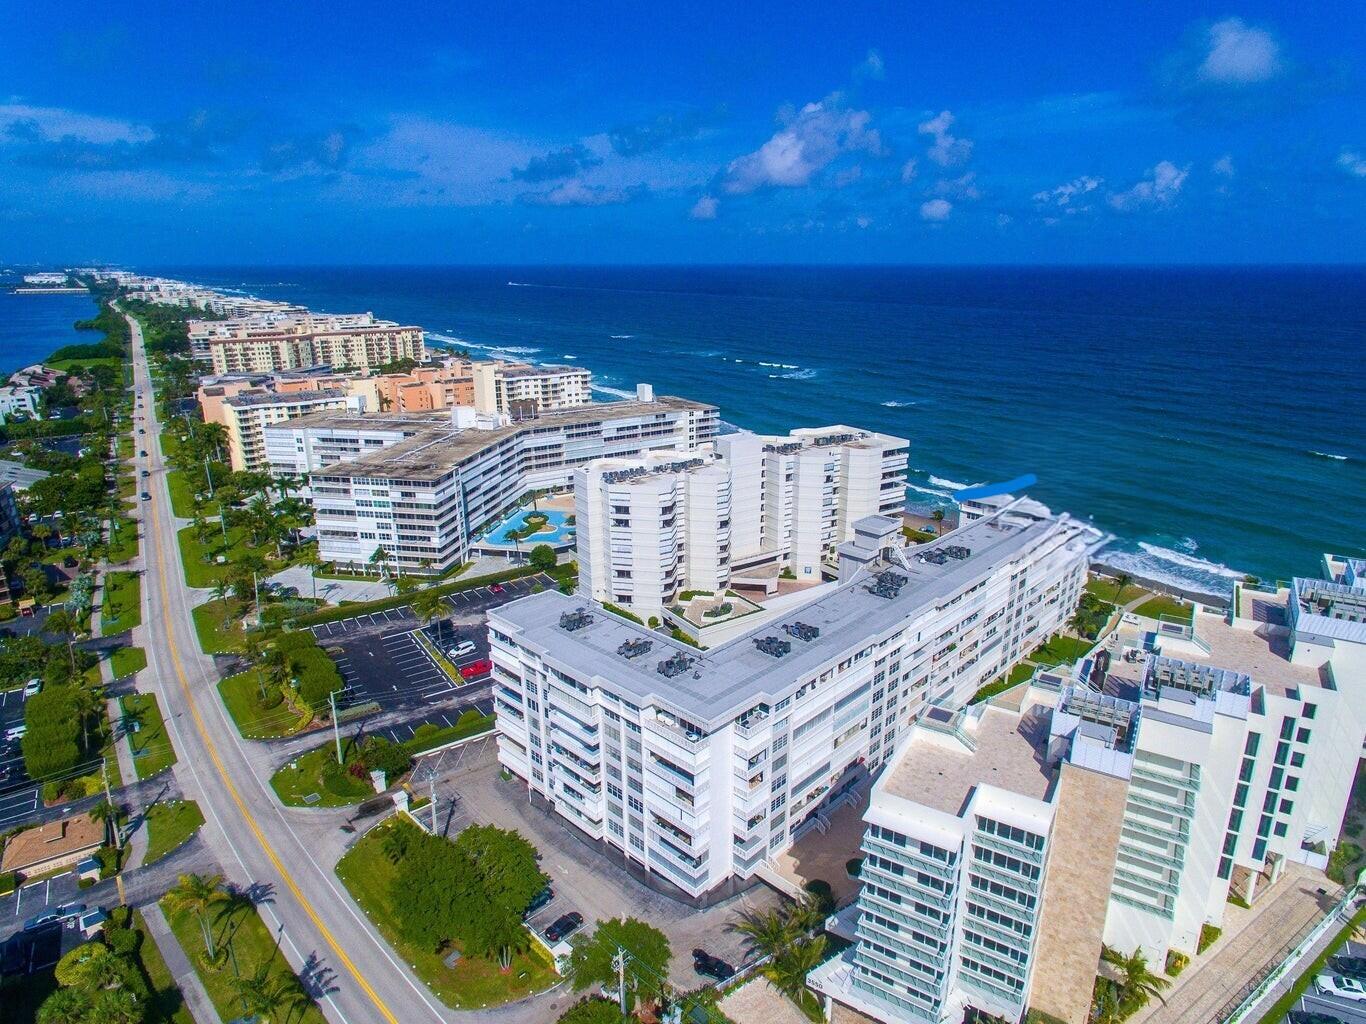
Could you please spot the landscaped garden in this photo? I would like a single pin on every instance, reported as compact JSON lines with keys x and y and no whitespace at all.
{"x":453,"y":908}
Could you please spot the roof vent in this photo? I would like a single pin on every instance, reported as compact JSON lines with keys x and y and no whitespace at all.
{"x":577,"y":619}
{"x":674,"y":665}
{"x":772,"y":646}
{"x":635,"y":648}
{"x":801,"y":631}
{"x":886,"y":584}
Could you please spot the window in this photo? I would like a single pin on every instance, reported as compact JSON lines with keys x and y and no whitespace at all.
{"x":1282,"y":752}
{"x":1287,"y":806}
{"x":1287,"y":728}
{"x":1310,"y":710}
{"x":1250,"y":747}
{"x":1277,"y":774}
{"x":1297,"y":760}
{"x":1240,"y":796}
{"x":1281,"y":828}
{"x":1225,"y":867}
{"x":1259,"y":849}
{"x":1302,"y":736}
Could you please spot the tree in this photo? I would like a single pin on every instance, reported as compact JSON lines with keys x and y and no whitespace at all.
{"x":593,"y":1011}
{"x":197,"y":895}
{"x":428,"y":604}
{"x":1139,"y":984}
{"x":268,"y":996}
{"x":117,"y":1007}
{"x":108,"y":814}
{"x":62,"y":624}
{"x":592,"y":960}
{"x":65,"y":1006}
{"x":789,"y":969}
{"x":766,"y":932}
{"x":543,"y":557}
{"x":1122,"y":582}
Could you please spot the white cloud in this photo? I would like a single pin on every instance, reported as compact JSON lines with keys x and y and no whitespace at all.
{"x":1223,"y":167}
{"x":1067,"y":194}
{"x":958,"y":188}
{"x":1159,"y":189}
{"x":908,"y":171}
{"x":872,"y":67}
{"x":936,"y":209}
{"x":1239,"y":54}
{"x":810,"y":141}
{"x":704,"y":208}
{"x":576,"y":193}
{"x":1353,"y":163}
{"x":52,"y":124}
{"x":946,"y":150}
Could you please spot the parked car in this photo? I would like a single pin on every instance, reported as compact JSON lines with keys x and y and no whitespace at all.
{"x":564,"y":926}
{"x":146,"y":496}
{"x":67,"y":911}
{"x":15,"y":732}
{"x":1337,"y":985}
{"x":476,"y":668}
{"x":145,"y":474}
{"x":542,"y":899}
{"x":39,"y":920}
{"x":142,"y":430}
{"x":1351,"y":966}
{"x":33,"y":687}
{"x":143,"y":453}
{"x":711,"y":966}
{"x":1301,"y":1017}
{"x":461,"y":650}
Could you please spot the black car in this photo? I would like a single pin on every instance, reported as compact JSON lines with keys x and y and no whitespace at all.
{"x":1352,"y":966}
{"x":542,"y":899}
{"x":143,"y":453}
{"x":1301,"y":1017}
{"x":711,"y":966}
{"x":564,"y":926}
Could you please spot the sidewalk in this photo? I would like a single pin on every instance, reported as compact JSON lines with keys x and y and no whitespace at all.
{"x":196,"y":998}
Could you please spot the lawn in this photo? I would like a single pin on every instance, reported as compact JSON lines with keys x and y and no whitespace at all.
{"x":256,"y":721}
{"x":471,"y":723}
{"x":122,"y":606}
{"x":211,"y":624}
{"x":473,"y":981}
{"x":123,"y":540}
{"x":65,"y":365}
{"x":1106,"y":589}
{"x":127,"y":660}
{"x":169,"y":825}
{"x":1062,"y":650}
{"x":198,"y":558}
{"x":301,"y":783}
{"x":1164,"y":605}
{"x":167,"y":1004}
{"x":252,"y":944}
{"x":152,"y":750}
{"x":1018,"y":675}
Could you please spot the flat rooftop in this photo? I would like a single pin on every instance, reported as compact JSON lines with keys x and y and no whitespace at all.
{"x":436,"y":445}
{"x":941,"y":772}
{"x":282,"y":397}
{"x":732,"y":677}
{"x":1263,"y":653}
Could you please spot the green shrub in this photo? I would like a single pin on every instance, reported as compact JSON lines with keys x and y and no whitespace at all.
{"x":615,"y":610}
{"x":1209,"y":935}
{"x":427,"y":729}
{"x":825,"y":896}
{"x":853,"y":866}
{"x":381,"y":755}
{"x":1176,"y":963}
{"x":8,"y":881}
{"x":123,"y":941}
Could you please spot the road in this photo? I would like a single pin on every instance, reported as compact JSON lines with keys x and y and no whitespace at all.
{"x":254,"y":839}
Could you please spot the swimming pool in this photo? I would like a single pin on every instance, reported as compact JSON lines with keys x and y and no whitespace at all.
{"x":556,"y":531}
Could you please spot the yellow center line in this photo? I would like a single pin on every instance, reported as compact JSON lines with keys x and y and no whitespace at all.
{"x":256,"y":830}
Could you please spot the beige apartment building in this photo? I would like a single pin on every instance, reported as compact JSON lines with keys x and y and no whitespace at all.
{"x":522,"y":391}
{"x":343,"y":348}
{"x":247,"y":415}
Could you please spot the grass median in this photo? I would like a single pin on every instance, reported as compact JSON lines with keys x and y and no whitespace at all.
{"x":127,"y":660}
{"x":169,"y":826}
{"x":167,"y":1003}
{"x":256,"y":719}
{"x":218,"y":627}
{"x":151,"y":745}
{"x":121,"y":608}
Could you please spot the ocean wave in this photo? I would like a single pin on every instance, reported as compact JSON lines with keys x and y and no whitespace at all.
{"x":567,"y":356}
{"x":614,"y":392}
{"x":782,"y":366}
{"x":621,"y":337}
{"x":448,"y":339}
{"x":1189,"y":561}
{"x":1172,"y":568}
{"x":794,"y":375}
{"x":898,"y":405}
{"x":1326,"y":455}
{"x":932,"y":491}
{"x":952,"y":485}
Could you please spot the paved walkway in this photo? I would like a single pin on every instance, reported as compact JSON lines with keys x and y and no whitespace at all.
{"x":1253,"y":940}
{"x":196,"y":998}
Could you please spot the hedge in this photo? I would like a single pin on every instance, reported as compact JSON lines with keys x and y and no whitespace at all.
{"x":347,"y":611}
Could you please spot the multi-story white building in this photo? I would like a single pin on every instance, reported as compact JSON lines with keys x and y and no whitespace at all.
{"x":362,"y":348}
{"x":649,"y":530}
{"x":520,"y":390}
{"x":695,"y":767}
{"x":1195,"y":787}
{"x":20,"y":400}
{"x":422,"y":487}
{"x":246,"y":416}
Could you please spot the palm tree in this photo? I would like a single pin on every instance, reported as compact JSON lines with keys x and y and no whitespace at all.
{"x":314,"y":561}
{"x":789,"y":968}
{"x":1139,"y":984}
{"x":1105,"y":1003}
{"x":197,"y":895}
{"x":427,"y":605}
{"x":62,"y":624}
{"x":379,"y":557}
{"x":1122,"y":581}
{"x":265,"y":995}
{"x":107,"y":814}
{"x":65,"y":1006}
{"x":767,"y":933}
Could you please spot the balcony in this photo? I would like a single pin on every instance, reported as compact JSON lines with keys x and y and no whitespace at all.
{"x":693,"y":742}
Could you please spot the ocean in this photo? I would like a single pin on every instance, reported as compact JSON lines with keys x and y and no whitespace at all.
{"x":32,"y":327}
{"x":1211,"y":419}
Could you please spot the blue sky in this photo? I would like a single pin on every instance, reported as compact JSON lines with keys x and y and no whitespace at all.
{"x":462,"y":133}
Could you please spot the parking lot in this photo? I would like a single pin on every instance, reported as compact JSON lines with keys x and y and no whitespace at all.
{"x":1317,"y":1001}
{"x":18,"y":796}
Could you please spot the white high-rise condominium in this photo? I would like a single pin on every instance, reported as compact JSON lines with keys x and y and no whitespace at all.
{"x":747,"y":508}
{"x":1210,"y":766}
{"x":696,"y":767}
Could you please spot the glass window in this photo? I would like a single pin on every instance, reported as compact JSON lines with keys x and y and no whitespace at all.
{"x":1302,"y":736}
{"x":1310,"y":710}
{"x":1250,"y":747}
{"x":1287,"y":728}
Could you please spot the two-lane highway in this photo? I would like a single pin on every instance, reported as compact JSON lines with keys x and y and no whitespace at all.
{"x":323,"y":933}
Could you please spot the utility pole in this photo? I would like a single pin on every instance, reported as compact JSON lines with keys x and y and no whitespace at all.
{"x":336,"y":730}
{"x":619,"y":962}
{"x":109,"y":799}
{"x":208,"y":476}
{"x":432,"y":782}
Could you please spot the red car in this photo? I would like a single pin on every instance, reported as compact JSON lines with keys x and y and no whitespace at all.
{"x":496,"y":588}
{"x":476,"y":668}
